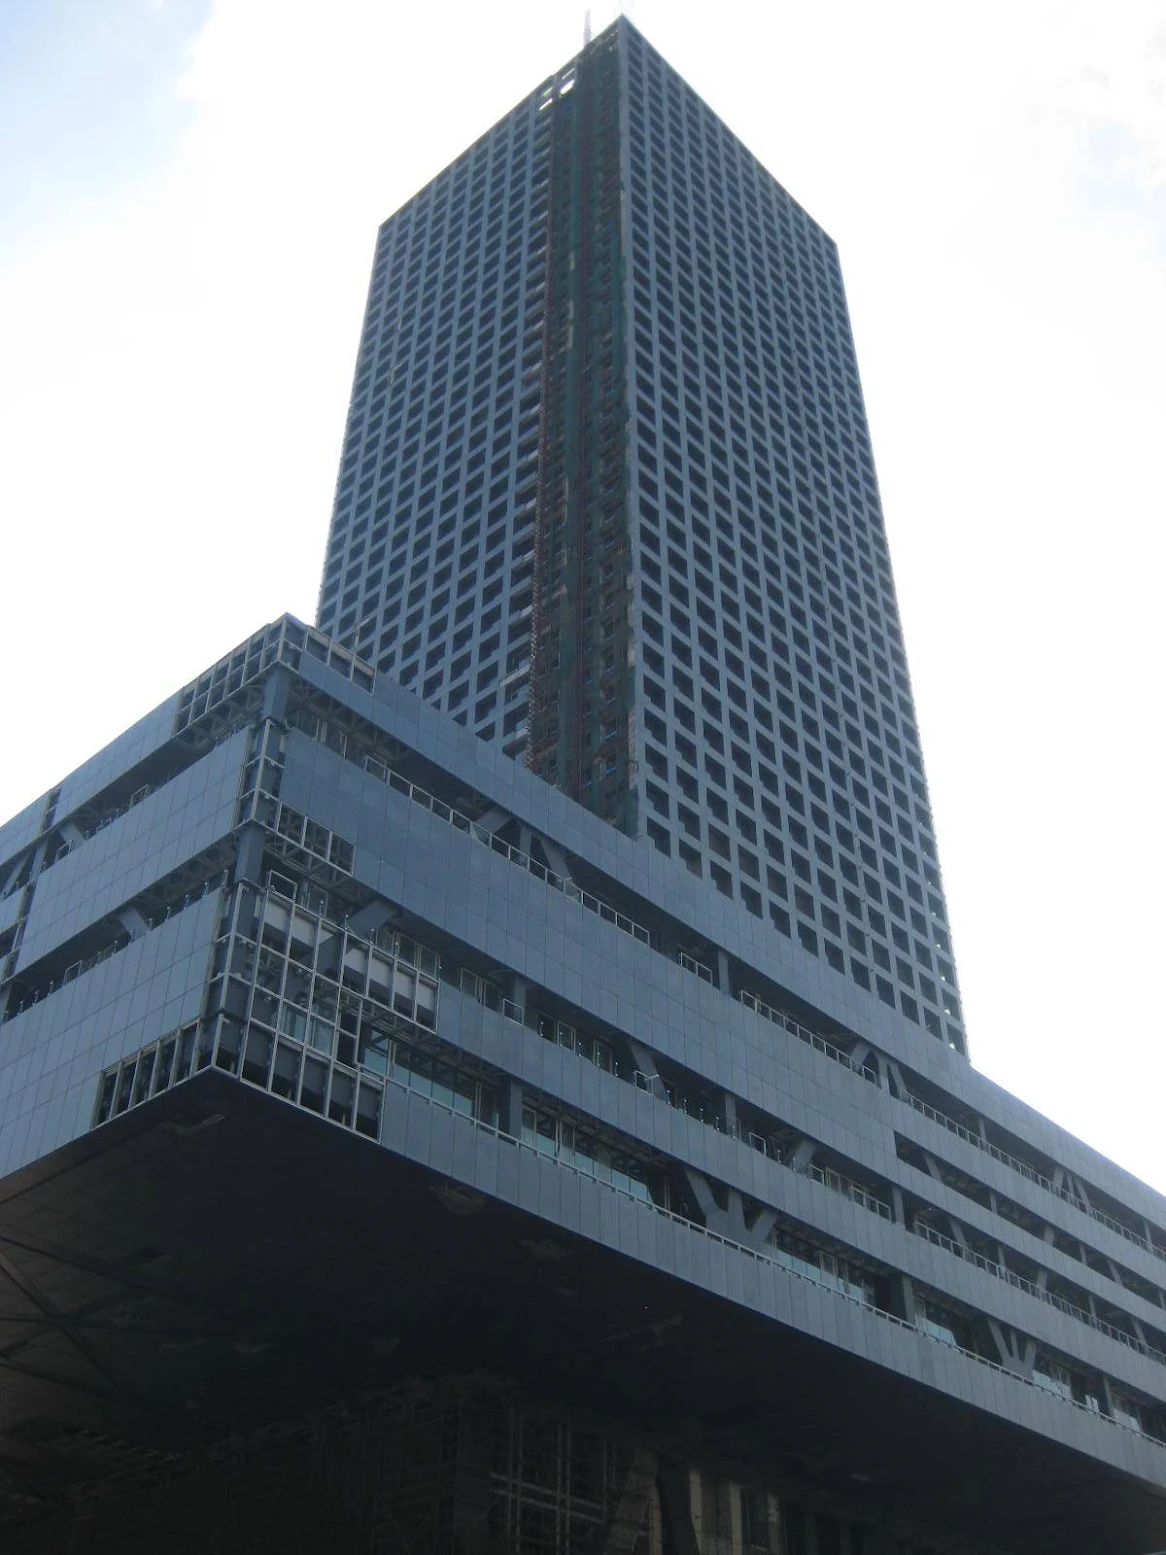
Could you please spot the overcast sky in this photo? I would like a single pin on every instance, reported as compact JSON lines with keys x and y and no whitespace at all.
{"x":189,"y":194}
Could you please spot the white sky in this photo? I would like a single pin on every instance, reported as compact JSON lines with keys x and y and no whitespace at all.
{"x":189,"y":194}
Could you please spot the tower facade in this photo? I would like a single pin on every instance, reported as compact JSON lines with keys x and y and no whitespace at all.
{"x":406,"y":1146}
{"x":607,"y":497}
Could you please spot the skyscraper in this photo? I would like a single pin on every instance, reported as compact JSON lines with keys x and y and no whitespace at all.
{"x":607,"y":496}
{"x":404,"y":1152}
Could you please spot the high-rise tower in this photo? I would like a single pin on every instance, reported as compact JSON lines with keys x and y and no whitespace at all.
{"x":607,"y":497}
{"x":396,"y":1153}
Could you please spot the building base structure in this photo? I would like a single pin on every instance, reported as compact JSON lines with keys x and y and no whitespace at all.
{"x":396,"y":1157}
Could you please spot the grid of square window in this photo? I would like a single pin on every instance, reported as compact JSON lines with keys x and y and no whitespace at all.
{"x":779,"y":749}
{"x":430,"y":554}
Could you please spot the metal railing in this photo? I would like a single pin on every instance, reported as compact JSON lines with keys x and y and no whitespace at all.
{"x":352,"y":1119}
{"x":812,"y":1039}
{"x":122,"y":942}
{"x":489,"y":995}
{"x":862,"y":1196}
{"x":482,"y":834}
{"x":697,"y":968}
{"x":850,"y":1190}
{"x":1050,"y":1298}
{"x":760,"y":1255}
{"x":969,"y":1136}
{"x":779,"y":1017}
{"x":953,"y":1125}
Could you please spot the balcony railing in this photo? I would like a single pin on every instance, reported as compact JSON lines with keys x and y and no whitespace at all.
{"x":1050,"y":1298}
{"x":810,"y":1038}
{"x":971,"y":1137}
{"x":482,"y":834}
{"x":764,"y":1256}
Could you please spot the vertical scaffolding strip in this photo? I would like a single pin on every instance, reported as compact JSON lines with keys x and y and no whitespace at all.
{"x":581,"y":679}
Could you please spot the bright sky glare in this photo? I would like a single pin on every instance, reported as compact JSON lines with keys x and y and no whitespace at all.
{"x":189,"y":195}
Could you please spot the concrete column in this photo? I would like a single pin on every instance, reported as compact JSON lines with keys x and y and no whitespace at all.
{"x":275,"y":694}
{"x":655,"y":1522}
{"x":676,"y":1501}
{"x":903,"y":1297}
{"x":860,"y":1055}
{"x":1107,"y":1394}
{"x":774,"y":1519}
{"x":517,"y":992}
{"x":494,"y":819}
{"x":736,"y":1530}
{"x":249,"y":857}
{"x":633,"y":1504}
{"x":1025,"y":1356}
{"x":556,"y":858}
{"x":996,"y":1333}
{"x":957,"y":1232}
{"x":645,"y":1061}
{"x":1021,"y":1352}
{"x":510,"y":1108}
{"x":132,"y":922}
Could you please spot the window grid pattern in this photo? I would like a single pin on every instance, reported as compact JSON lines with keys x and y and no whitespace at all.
{"x":780,"y":754}
{"x":773,"y":740}
{"x":430,"y":552}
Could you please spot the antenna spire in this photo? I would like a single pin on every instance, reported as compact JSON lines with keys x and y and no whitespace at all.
{"x":586,"y":27}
